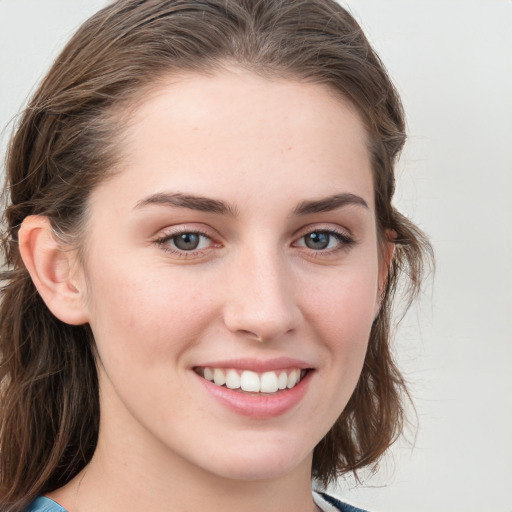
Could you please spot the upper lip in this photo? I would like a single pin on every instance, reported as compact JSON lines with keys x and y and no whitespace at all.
{"x":259,"y":365}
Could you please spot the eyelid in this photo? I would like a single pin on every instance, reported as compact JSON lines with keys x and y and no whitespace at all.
{"x":324,"y":228}
{"x":167,"y":234}
{"x":344,"y":236}
{"x":178,"y":229}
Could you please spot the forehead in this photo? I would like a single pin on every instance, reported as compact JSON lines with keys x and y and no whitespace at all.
{"x":244,"y":133}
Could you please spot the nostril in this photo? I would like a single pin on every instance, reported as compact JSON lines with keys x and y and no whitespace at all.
{"x":261,"y":322}
{"x":251,"y":334}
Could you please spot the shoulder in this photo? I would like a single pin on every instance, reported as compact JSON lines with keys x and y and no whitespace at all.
{"x":43,"y":504}
{"x":330,"y":504}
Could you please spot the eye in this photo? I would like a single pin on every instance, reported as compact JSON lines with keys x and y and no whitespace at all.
{"x":322,"y":240}
{"x":318,"y":240}
{"x":189,"y":241}
{"x":184,"y":241}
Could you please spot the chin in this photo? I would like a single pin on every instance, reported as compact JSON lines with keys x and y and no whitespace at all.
{"x":264,"y":462}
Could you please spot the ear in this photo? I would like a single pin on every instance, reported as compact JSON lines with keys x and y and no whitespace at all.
{"x":52,"y":269}
{"x":387,"y":252}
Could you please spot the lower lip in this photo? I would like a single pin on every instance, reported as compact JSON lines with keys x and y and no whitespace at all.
{"x":258,"y":405}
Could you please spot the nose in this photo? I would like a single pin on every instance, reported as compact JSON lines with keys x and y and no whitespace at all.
{"x":260,"y":301}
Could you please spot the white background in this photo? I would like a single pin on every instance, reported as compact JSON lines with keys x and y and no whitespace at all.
{"x":452,"y":62}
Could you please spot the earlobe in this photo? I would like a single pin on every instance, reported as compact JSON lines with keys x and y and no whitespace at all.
{"x":50,"y":267}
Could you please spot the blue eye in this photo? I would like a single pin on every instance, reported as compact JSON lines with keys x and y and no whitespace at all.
{"x":317,"y":240}
{"x":187,"y":241}
{"x":324,"y":239}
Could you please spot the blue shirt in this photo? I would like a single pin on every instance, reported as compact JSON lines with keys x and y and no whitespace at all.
{"x":43,"y":504}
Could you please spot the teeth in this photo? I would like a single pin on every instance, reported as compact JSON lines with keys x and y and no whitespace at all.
{"x":232,"y":379}
{"x":293,"y":378}
{"x":250,"y":381}
{"x":219,"y":377}
{"x":282,"y":381}
{"x":267,"y":382}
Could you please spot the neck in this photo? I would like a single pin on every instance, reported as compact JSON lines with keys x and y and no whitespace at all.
{"x":105,"y":487}
{"x":122,"y":476}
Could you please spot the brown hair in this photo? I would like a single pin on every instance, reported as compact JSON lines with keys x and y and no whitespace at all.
{"x":65,"y":145}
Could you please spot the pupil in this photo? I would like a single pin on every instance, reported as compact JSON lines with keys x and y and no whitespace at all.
{"x":317,"y":240}
{"x":187,"y":241}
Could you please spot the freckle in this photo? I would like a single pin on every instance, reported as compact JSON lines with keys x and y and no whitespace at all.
{"x":196,"y":128}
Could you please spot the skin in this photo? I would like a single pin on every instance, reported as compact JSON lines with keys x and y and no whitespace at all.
{"x":252,"y":289}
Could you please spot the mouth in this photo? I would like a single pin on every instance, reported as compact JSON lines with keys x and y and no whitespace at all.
{"x":247,"y":381}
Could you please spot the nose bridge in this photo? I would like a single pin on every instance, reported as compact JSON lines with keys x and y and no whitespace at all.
{"x":261,"y":301}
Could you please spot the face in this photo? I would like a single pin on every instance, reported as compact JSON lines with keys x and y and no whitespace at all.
{"x":232,"y":274}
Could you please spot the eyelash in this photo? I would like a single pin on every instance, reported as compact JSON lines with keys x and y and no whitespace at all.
{"x":345,"y":242}
{"x":162,"y":242}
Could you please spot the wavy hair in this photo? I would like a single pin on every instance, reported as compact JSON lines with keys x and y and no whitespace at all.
{"x":66,"y":142}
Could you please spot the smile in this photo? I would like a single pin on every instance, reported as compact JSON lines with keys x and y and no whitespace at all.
{"x":250,"y":381}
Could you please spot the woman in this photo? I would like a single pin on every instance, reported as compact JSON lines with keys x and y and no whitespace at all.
{"x":201,"y":256}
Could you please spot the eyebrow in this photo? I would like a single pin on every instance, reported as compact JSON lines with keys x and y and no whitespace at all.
{"x":206,"y":204}
{"x":330,"y":203}
{"x":192,"y":202}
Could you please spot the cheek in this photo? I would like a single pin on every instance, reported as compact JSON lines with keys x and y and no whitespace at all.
{"x":146,"y":316}
{"x":345,"y":303}
{"x":341,"y":311}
